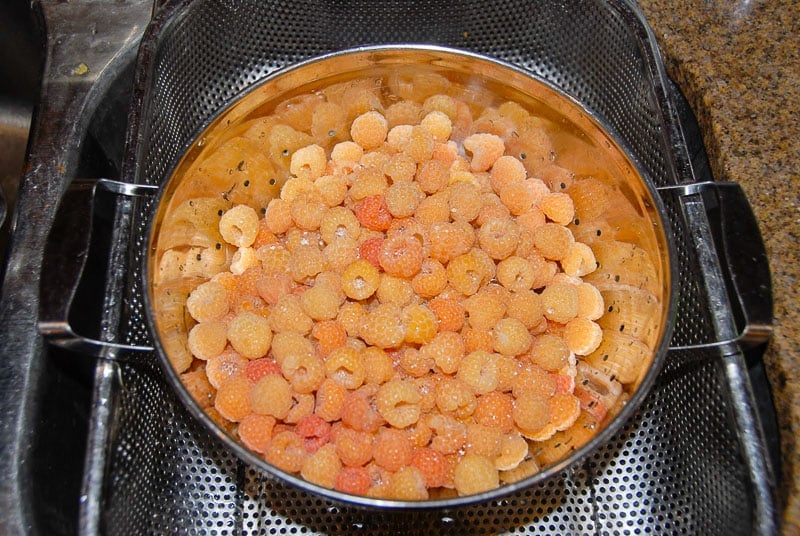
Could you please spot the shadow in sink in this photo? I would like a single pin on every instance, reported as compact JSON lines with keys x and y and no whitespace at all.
{"x":21,"y":62}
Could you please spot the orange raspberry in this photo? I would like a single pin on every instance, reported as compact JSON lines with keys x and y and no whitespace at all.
{"x":353,"y":447}
{"x":370,"y":250}
{"x":258,"y":368}
{"x":445,"y":350}
{"x":474,"y":474}
{"x":353,"y":480}
{"x":484,"y":310}
{"x":449,"y":313}
{"x":499,"y":238}
{"x":373,"y":213}
{"x":255,"y":431}
{"x":469,"y":272}
{"x":434,"y":466}
{"x":233,"y":398}
{"x":392,"y":449}
{"x":511,"y":337}
{"x":358,"y":413}
{"x":465,"y":201}
{"x":383,"y":326}
{"x":408,"y":484}
{"x":495,"y":409}
{"x":330,"y":400}
{"x":315,"y":432}
{"x":402,"y":255}
{"x":286,"y":451}
{"x":322,"y":466}
{"x":420,"y":323}
{"x":329,"y":335}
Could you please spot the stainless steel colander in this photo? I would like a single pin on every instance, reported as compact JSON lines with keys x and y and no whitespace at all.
{"x":677,"y":465}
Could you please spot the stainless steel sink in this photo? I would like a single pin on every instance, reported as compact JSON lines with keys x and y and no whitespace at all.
{"x":21,"y":63}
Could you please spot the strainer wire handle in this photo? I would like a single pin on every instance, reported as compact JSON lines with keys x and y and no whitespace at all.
{"x":742,"y":261}
{"x":66,"y":255}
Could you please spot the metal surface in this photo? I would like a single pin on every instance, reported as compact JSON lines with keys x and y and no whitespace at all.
{"x":691,"y":461}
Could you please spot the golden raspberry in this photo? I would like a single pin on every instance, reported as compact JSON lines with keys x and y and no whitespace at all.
{"x":499,"y":238}
{"x":511,"y":337}
{"x":322,"y":467}
{"x":233,"y":397}
{"x":250,"y":335}
{"x":360,"y":280}
{"x":420,"y":323}
{"x":383,"y":326}
{"x":449,"y":313}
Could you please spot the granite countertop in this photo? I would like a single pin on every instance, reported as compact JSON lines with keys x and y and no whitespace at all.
{"x":738,"y":63}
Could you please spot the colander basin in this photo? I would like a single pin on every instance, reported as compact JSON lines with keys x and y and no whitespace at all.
{"x":583,"y":144}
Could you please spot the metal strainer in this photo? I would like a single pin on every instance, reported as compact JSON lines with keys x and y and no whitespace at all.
{"x":682,"y":464}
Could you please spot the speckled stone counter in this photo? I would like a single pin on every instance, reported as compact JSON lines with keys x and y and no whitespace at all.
{"x":738,"y":63}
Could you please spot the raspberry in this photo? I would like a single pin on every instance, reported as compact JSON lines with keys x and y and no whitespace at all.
{"x":360,"y":280}
{"x":332,"y":189}
{"x":511,"y":337}
{"x":560,"y":302}
{"x":353,"y":447}
{"x":395,"y":290}
{"x":516,"y":273}
{"x":484,"y":310}
{"x":225,"y":365}
{"x":449,"y":313}
{"x":339,"y":222}
{"x":370,"y":250}
{"x":553,"y":240}
{"x":358,"y":413}
{"x":474,"y":474}
{"x":583,"y":336}
{"x":408,"y":484}
{"x":454,"y":397}
{"x":499,"y":238}
{"x":288,"y":315}
{"x":468,"y":272}
{"x":445,"y":350}
{"x":484,"y":440}
{"x":465,"y":201}
{"x":271,"y":395}
{"x":485,"y":149}
{"x":233,"y":397}
{"x":329,"y":335}
{"x":288,"y":343}
{"x":438,"y":124}
{"x":434,"y":466}
{"x":258,"y":368}
{"x":315,"y":432}
{"x":392,"y":449}
{"x":250,"y":335}
{"x":379,"y":365}
{"x":255,"y":431}
{"x":403,"y":112}
{"x":549,"y":352}
{"x":398,"y":402}
{"x":402,"y":255}
{"x":495,"y":409}
{"x":558,"y":207}
{"x":369,"y":130}
{"x":403,"y":197}
{"x":373,"y":213}
{"x":400,"y":168}
{"x":526,"y":307}
{"x":475,"y":339}
{"x":208,"y":339}
{"x":353,"y":480}
{"x":420,"y":324}
{"x":434,"y":208}
{"x":320,"y":302}
{"x":345,"y":365}
{"x":506,"y":170}
{"x":208,"y":302}
{"x":286,"y":452}
{"x":419,"y":145}
{"x":479,"y":370}
{"x":433,"y":176}
{"x":383,"y":326}
{"x":322,"y":467}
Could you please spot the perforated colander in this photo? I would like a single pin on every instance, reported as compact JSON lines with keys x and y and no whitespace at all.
{"x":676,"y":466}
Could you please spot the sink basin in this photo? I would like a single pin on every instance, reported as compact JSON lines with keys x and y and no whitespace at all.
{"x":21,"y":62}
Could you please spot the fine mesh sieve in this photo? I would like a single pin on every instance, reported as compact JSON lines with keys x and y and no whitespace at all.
{"x":674,"y":468}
